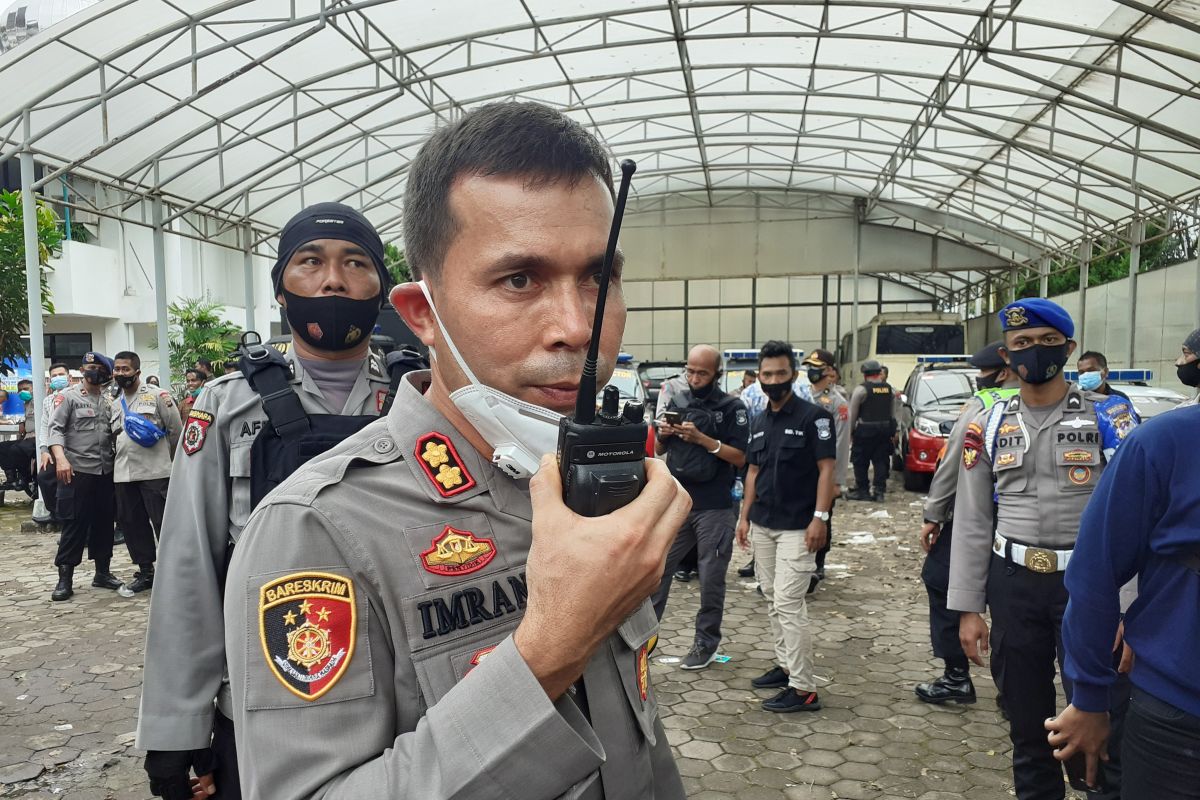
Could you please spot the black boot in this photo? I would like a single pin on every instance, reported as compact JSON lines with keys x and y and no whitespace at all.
{"x":747,"y":571}
{"x":142,"y":581}
{"x":953,"y":687}
{"x":859,"y":494}
{"x":105,"y":579}
{"x":62,"y":589}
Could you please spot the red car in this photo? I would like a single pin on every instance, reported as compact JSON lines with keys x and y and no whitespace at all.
{"x":932,"y":399}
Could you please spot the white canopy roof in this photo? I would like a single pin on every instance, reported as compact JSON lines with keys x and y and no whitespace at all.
{"x":1026,"y":123}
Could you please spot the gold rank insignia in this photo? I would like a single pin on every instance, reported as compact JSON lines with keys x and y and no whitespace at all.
{"x":456,"y":552}
{"x":1015,"y":317}
{"x":970,"y":457}
{"x":643,"y":671}
{"x":442,"y":464}
{"x":307,"y":625}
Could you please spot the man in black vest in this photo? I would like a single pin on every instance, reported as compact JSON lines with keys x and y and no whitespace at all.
{"x":703,"y":433}
{"x":872,"y":431}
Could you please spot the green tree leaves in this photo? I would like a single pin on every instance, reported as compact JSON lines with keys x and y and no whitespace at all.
{"x":14,"y":301}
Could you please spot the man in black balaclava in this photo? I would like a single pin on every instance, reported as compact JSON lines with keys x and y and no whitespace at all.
{"x":331,"y":280}
{"x":1187,"y":366}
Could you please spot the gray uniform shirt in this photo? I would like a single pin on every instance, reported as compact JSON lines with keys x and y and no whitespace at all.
{"x":134,"y":462}
{"x":939,"y":503}
{"x":80,"y":424}
{"x":427,"y":697}
{"x":207,"y":507}
{"x":832,"y":401}
{"x":1043,"y":476}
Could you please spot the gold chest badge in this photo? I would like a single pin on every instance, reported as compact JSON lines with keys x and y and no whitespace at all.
{"x":456,"y":552}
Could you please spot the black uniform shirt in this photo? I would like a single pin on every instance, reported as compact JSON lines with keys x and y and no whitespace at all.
{"x":730,"y":425}
{"x":786,"y":445}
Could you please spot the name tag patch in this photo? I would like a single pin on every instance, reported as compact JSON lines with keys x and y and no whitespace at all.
{"x":307,"y":623}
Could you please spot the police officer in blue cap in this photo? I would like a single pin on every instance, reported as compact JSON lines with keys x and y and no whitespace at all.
{"x":1039,"y":455}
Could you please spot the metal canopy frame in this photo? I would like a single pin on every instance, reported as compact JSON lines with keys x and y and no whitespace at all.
{"x":1021,"y":128}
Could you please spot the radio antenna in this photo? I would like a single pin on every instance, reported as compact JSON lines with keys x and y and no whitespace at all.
{"x":585,"y":403}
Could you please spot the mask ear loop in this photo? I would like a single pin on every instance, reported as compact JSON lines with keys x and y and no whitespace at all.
{"x":462,"y":363}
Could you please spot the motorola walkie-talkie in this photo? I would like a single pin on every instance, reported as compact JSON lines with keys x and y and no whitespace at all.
{"x":601,"y":456}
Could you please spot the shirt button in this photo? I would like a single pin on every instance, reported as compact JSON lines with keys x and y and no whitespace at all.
{"x":384,"y":446}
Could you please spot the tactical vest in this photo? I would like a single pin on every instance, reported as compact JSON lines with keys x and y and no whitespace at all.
{"x":877,"y":406}
{"x":294,"y":436}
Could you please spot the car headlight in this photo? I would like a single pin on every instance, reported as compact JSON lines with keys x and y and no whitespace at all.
{"x":928,"y":427}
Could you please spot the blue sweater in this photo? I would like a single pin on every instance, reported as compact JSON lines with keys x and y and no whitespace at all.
{"x":1144,"y":512}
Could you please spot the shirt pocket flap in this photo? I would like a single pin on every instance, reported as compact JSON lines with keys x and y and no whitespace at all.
{"x":85,"y":412}
{"x":239,"y":461}
{"x":794,"y":441}
{"x":631,"y":655}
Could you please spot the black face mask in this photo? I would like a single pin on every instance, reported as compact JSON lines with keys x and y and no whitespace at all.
{"x":95,"y":377}
{"x":776,"y":391}
{"x":126,"y":381}
{"x":703,"y":391}
{"x":331,"y":322}
{"x":816,"y":375}
{"x":1039,"y":363}
{"x":1189,"y":373}
{"x":988,"y":381}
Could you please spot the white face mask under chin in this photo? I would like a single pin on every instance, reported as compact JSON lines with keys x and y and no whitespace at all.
{"x":520,"y":433}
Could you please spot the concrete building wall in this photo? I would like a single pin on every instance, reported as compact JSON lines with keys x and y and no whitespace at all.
{"x":1165,"y":312}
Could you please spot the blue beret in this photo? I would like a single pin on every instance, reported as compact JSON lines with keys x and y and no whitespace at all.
{"x":92,"y":357}
{"x":1036,"y":312}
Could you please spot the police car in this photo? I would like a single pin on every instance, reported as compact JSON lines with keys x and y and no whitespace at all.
{"x":930,"y":403}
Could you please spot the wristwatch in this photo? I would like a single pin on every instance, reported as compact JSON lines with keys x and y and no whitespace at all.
{"x":821,"y":515}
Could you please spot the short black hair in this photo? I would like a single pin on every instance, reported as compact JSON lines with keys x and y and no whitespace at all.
{"x":1095,"y":356}
{"x":204,"y":363}
{"x":24,"y":382}
{"x":198,"y":373}
{"x":129,"y":356}
{"x":530,"y":140}
{"x":750,"y":373}
{"x":776,"y":348}
{"x":59,"y":365}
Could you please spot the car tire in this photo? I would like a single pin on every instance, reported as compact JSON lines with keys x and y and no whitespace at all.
{"x":916,"y":481}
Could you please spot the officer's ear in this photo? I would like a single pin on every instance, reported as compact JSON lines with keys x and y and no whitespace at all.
{"x":1003,"y":351}
{"x":1072,"y":345}
{"x":412,"y":306}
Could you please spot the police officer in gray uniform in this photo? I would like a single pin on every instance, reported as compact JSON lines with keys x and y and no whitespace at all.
{"x":822,"y":376}
{"x":995,"y":383}
{"x":1039,"y":454}
{"x":445,"y":628}
{"x":146,"y":427}
{"x":81,"y":444}
{"x":331,"y":279}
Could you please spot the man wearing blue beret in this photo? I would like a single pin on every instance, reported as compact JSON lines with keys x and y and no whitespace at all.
{"x":81,"y":445}
{"x":1029,"y":466}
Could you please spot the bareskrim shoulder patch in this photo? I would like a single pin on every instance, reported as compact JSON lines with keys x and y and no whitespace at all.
{"x":456,"y":552}
{"x":442,"y":464}
{"x":307,"y":623}
{"x":196,"y":431}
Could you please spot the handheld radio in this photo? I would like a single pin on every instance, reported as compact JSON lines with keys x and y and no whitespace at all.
{"x":601,"y":456}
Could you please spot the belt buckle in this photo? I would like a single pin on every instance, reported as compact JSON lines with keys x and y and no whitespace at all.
{"x":1038,"y":559}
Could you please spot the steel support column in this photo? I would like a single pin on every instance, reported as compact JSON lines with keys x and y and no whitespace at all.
{"x":854,"y":307}
{"x":33,"y":279}
{"x":1137,"y":234}
{"x":1085,"y":265}
{"x":160,"y":288}
{"x":248,"y":275}
{"x":1044,"y":276}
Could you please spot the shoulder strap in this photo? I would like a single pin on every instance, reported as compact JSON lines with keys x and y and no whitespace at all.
{"x":399,"y":363}
{"x":992,"y":431}
{"x":266,"y":370}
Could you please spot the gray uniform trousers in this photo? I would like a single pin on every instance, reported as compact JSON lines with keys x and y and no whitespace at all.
{"x":711,"y":533}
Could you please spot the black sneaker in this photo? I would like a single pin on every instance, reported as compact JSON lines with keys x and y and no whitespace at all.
{"x":812,"y":583}
{"x":774,"y":678}
{"x":683,"y":576}
{"x":859,"y":494}
{"x":746,"y":571}
{"x":790,"y":700}
{"x":698,"y":657}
